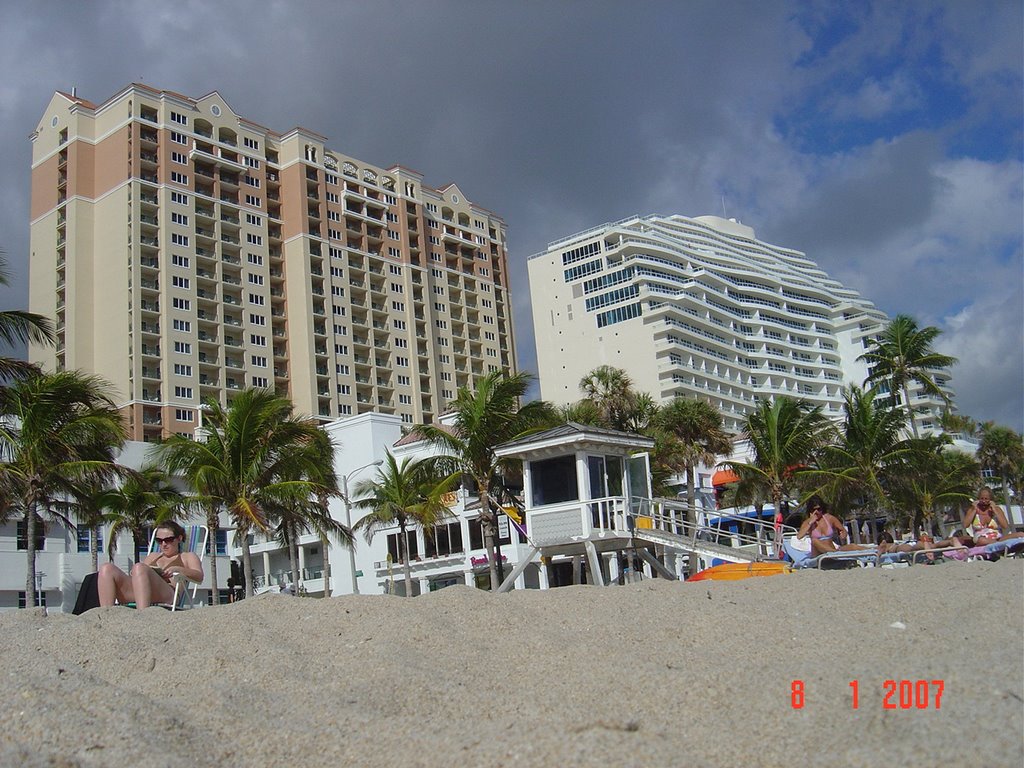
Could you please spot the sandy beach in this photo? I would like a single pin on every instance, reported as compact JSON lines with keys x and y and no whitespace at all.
{"x":654,"y":673}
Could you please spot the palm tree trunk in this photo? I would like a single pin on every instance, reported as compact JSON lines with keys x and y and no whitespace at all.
{"x":246,"y":564}
{"x":30,"y":556}
{"x":138,"y":542}
{"x":403,"y":552}
{"x":910,"y":412}
{"x":777,"y":501}
{"x":212,"y":523}
{"x":487,"y":524}
{"x":326,"y":567}
{"x":293,"y":558}
{"x":691,"y":513}
{"x":94,"y":554}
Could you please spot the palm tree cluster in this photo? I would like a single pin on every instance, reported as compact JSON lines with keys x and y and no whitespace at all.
{"x":686,"y":431}
{"x":60,"y":434}
{"x":872,"y":463}
{"x":264,"y":466}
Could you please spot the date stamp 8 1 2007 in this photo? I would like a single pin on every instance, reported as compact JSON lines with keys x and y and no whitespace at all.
{"x":894,"y":694}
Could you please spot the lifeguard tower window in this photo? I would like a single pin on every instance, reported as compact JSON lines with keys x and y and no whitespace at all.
{"x":553,"y":480}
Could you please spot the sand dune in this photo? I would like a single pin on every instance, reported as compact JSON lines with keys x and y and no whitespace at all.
{"x":654,"y":673}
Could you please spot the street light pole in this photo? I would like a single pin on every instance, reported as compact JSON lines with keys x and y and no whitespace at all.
{"x":348,"y":519}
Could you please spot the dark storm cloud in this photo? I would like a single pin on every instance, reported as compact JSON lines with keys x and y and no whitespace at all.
{"x":560,"y":116}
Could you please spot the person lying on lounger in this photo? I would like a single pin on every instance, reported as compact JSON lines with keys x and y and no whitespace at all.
{"x":985,"y":522}
{"x":825,"y":529}
{"x":149,"y":581}
{"x":925,"y":542}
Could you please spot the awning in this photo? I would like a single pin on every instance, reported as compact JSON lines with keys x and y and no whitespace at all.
{"x":724,"y":477}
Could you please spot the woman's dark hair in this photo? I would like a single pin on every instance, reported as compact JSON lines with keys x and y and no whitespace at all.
{"x":815,"y":501}
{"x":174,"y":527}
{"x":886,"y":537}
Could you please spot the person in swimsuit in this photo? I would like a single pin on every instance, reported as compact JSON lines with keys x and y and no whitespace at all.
{"x":149,"y":581}
{"x":985,"y":522}
{"x":827,"y":531}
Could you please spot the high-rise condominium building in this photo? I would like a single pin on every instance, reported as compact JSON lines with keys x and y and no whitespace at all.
{"x":702,"y":308}
{"x":185,"y":252}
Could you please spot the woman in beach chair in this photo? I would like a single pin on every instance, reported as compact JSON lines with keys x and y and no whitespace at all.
{"x":150,"y":580}
{"x":826,"y":530}
{"x":986,"y":523}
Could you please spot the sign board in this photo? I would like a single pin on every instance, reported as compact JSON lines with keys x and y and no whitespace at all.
{"x":359,"y":574}
{"x":503,"y":526}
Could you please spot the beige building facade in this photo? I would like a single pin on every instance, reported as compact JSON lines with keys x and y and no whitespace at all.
{"x":186,"y":252}
{"x":700,"y":307}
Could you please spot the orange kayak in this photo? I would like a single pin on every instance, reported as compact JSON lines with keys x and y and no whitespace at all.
{"x":737,"y":571}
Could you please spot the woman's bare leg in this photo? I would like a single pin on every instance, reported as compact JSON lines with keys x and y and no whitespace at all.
{"x":113,"y":584}
{"x":149,"y":587}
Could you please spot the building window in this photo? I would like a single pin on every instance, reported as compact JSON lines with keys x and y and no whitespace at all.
{"x":179,"y":118}
{"x":179,"y":282}
{"x":40,"y":535}
{"x":184,"y":393}
{"x":182,"y":370}
{"x":182,"y":325}
{"x":184,"y":414}
{"x":179,"y":138}
{"x":179,"y":178}
{"x":40,"y":599}
{"x":181,"y":303}
{"x":180,"y":261}
{"x":183,"y":347}
{"x":177,"y":239}
{"x":85,"y":537}
{"x":179,"y":197}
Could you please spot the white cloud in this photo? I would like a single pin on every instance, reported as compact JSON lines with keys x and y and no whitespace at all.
{"x":879,"y":98}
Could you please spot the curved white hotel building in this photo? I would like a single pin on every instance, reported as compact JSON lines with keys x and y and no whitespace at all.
{"x":700,"y":307}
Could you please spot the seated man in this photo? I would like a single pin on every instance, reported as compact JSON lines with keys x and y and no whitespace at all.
{"x":149,"y":581}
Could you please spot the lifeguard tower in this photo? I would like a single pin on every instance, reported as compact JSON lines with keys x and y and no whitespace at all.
{"x":587,"y":494}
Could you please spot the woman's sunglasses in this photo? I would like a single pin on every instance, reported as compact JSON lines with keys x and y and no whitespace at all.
{"x":166,"y":539}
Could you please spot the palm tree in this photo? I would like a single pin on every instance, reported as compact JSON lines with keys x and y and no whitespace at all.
{"x":1002,"y":451}
{"x":144,"y":500}
{"x":18,"y":327}
{"x":701,"y":438}
{"x":55,"y":428}
{"x":869,"y":454}
{"x":932,"y":479}
{"x":482,"y":420}
{"x":296,"y":518}
{"x":785,"y":435}
{"x":697,"y":436}
{"x":611,"y":391}
{"x":903,"y":353}
{"x":405,"y":494}
{"x":257,"y":457}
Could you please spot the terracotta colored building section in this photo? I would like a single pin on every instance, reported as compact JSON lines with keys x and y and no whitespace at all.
{"x":186,"y":252}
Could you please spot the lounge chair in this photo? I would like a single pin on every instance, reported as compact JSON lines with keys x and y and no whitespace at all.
{"x":185,"y":589}
{"x":800,"y":554}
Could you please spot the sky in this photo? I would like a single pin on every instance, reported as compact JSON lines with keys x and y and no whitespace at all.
{"x":882,"y":139}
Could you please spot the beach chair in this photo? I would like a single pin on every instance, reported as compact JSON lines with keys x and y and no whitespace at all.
{"x":799,"y":552}
{"x":185,"y":589}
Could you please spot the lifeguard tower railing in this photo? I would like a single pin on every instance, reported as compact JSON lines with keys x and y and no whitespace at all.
{"x":733,"y":537}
